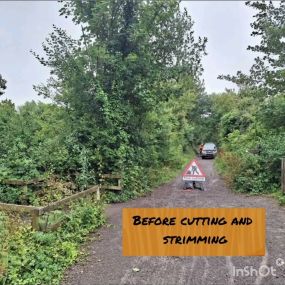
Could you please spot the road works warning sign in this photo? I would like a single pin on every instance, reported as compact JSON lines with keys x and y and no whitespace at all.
{"x":193,"y":231}
{"x":193,"y":172}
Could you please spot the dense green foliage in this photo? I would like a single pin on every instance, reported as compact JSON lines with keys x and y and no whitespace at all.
{"x":123,"y":100}
{"x":251,"y":122}
{"x":128,"y":85}
{"x":123,"y":97}
{"x":33,"y":145}
{"x":29,"y":257}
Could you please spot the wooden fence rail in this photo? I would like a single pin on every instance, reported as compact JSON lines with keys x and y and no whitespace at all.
{"x":104,"y":177}
{"x":37,"y":212}
{"x":15,"y":182}
{"x":17,"y":208}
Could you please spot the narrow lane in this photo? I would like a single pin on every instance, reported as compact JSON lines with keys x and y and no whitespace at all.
{"x":106,"y":265}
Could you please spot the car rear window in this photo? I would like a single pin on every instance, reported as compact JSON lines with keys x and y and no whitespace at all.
{"x":209,"y":146}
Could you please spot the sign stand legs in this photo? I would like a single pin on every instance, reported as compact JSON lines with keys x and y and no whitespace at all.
{"x":194,"y":185}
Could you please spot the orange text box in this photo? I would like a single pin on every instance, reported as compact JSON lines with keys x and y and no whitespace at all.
{"x":193,"y":231}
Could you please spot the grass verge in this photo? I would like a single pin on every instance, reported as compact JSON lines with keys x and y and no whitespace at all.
{"x":35,"y":258}
{"x":229,"y":177}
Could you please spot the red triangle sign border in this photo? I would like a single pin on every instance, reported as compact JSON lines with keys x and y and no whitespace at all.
{"x":188,"y":167}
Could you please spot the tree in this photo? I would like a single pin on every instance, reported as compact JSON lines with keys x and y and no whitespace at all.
{"x":132,"y":56}
{"x":2,"y":85}
{"x":268,"y":71}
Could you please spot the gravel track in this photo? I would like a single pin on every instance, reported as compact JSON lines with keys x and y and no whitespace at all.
{"x":106,"y":265}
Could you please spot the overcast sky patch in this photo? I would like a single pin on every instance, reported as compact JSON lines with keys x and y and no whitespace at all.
{"x":24,"y":25}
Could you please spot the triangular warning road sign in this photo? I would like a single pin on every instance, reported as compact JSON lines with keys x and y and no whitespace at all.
{"x":193,"y":172}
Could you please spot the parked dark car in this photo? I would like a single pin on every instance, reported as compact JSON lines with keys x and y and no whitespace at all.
{"x":209,"y":150}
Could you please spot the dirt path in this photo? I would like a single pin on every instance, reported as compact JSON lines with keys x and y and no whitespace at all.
{"x":106,"y":265}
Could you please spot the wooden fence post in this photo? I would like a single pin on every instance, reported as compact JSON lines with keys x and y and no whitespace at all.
{"x":283,"y":175}
{"x":35,"y":219}
{"x":98,"y":193}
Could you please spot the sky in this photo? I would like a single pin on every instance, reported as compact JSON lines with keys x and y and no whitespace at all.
{"x":24,"y":25}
